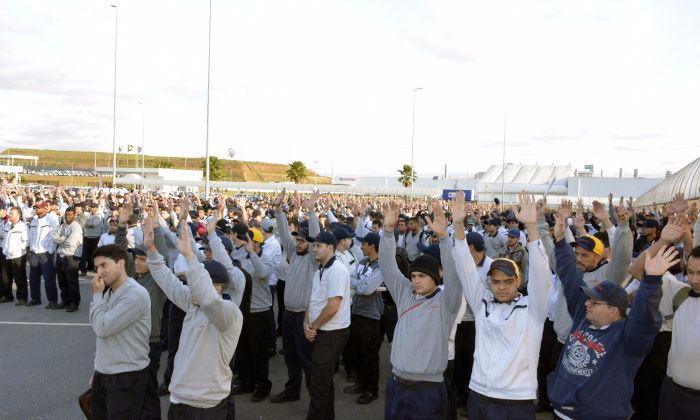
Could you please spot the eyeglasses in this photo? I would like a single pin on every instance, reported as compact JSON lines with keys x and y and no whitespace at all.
{"x":596,"y":302}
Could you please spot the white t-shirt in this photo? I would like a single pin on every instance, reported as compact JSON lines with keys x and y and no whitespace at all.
{"x":331,"y":281}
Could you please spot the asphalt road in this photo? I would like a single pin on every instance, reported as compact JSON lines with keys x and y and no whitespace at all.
{"x":46,"y":359}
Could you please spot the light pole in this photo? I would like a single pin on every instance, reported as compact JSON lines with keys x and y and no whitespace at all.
{"x":114,"y":111}
{"x":413,"y":132}
{"x":143,"y":145}
{"x":206,"y":172}
{"x":503,"y":177}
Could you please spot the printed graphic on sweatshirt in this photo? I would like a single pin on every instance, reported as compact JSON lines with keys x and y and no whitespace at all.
{"x":582,"y":353}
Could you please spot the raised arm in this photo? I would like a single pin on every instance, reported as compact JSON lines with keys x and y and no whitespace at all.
{"x":173,"y":288}
{"x":570,"y":276}
{"x":220,"y":312}
{"x":236,"y":276}
{"x":538,"y":284}
{"x":622,"y":247}
{"x":670,"y":234}
{"x":644,"y":319}
{"x":286,"y":238}
{"x":397,"y":285}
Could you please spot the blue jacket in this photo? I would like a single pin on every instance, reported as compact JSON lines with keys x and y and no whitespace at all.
{"x":594,"y":378}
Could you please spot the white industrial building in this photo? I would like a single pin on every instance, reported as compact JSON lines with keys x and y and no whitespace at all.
{"x":164,"y":179}
{"x":686,"y":181}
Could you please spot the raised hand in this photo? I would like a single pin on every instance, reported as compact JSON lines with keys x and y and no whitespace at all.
{"x":390,"y":211}
{"x":560,"y":223}
{"x":679,"y":204}
{"x":310,"y":203}
{"x":184,"y":241}
{"x":527,"y":210}
{"x":277,"y":204}
{"x":600,"y":211}
{"x":623,"y":212}
{"x":566,"y":209}
{"x":661,"y":262}
{"x":459,"y":209}
{"x":674,"y":230}
{"x":439,"y":224}
{"x":184,"y":208}
{"x":125,"y":213}
{"x":148,"y":235}
{"x":541,"y":207}
{"x":211,"y":223}
{"x":610,"y":198}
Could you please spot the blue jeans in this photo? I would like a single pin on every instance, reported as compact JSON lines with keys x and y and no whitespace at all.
{"x":42,"y":265}
{"x":407,"y":402}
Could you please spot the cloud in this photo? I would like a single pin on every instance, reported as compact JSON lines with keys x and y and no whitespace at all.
{"x":629,"y":149}
{"x":444,"y":46}
{"x":556,"y":137}
{"x":639,"y":136}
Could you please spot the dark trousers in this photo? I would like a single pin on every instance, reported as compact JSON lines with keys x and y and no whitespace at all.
{"x":5,"y":277}
{"x":67,"y":274}
{"x":119,"y":396}
{"x":650,"y":377}
{"x":42,"y":265}
{"x":151,"y":402}
{"x":186,"y":412}
{"x":421,"y":401}
{"x":253,"y":366}
{"x":297,"y":351}
{"x":18,"y":273}
{"x":481,"y":407}
{"x":389,"y":319}
{"x":272,"y":329}
{"x":280,"y":305}
{"x":175,"y":318}
{"x":465,"y":340}
{"x":678,"y":402}
{"x":361,"y":354}
{"x":547,"y":362}
{"x":89,"y":245}
{"x":327,"y":348}
{"x":451,"y":391}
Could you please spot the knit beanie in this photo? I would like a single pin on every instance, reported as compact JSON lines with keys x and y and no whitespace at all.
{"x":427,"y":265}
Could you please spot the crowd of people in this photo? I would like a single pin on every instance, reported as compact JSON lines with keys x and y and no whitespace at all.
{"x":494,"y":311}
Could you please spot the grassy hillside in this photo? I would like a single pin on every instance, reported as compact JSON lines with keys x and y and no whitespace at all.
{"x":234,"y":170}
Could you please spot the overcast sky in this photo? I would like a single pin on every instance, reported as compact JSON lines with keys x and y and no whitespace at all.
{"x":612,"y":83}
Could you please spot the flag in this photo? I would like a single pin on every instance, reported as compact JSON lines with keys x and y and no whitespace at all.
{"x":129,"y":148}
{"x":139,"y":149}
{"x":120,"y":149}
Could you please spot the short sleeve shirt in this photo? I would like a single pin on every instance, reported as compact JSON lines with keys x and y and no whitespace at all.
{"x":331,"y":281}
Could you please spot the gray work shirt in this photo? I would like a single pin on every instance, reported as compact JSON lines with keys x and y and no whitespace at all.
{"x":122,"y":322}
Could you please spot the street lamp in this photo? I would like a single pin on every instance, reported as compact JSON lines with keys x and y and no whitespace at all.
{"x":413,"y":132}
{"x":206,"y":174}
{"x":114,"y":112}
{"x":143,"y":144}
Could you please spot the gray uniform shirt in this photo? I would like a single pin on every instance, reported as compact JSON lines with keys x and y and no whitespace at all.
{"x":122,"y":322}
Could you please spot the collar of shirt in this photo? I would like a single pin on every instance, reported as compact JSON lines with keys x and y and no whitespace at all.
{"x":481,"y":263}
{"x":692,"y":293}
{"x":323,"y":267}
{"x":514,"y":300}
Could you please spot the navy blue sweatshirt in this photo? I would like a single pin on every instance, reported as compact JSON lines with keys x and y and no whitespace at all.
{"x":594,"y":378}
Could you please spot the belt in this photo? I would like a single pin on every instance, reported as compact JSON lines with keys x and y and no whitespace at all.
{"x":413,"y":384}
{"x":500,"y":401}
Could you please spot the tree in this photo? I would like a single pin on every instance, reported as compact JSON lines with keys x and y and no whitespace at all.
{"x":408,"y":176}
{"x":296,"y":171}
{"x":164,"y":164}
{"x":216,"y":170}
{"x":231,"y":153}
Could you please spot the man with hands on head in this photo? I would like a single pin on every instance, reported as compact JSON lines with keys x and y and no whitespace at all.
{"x":120,"y":315}
{"x":416,"y":388}
{"x":606,"y":345}
{"x":508,"y":325}
{"x":210,"y":330}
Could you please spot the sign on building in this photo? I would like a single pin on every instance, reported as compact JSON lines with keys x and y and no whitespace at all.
{"x":449,"y":194}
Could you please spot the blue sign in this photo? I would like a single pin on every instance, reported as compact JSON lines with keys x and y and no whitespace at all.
{"x":450,"y":194}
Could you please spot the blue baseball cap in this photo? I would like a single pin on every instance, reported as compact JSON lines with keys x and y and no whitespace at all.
{"x":370,"y":238}
{"x":514,"y":233}
{"x":609,"y":293}
{"x":325,"y":237}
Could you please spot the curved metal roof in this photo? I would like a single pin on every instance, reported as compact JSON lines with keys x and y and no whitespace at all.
{"x":687,"y":181}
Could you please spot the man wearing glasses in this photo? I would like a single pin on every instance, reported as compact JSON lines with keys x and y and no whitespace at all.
{"x":594,"y":377}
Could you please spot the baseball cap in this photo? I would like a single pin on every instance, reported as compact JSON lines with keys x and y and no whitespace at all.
{"x":370,"y":238}
{"x":342,"y":233}
{"x":267,"y":225}
{"x":590,"y":243}
{"x":41,"y":204}
{"x":608,"y":292}
{"x":325,"y":237}
{"x":514,"y":233}
{"x":139,"y":251}
{"x":475,"y":239}
{"x":257,"y":235}
{"x":303,"y":233}
{"x":216,"y":271}
{"x":224,"y":225}
{"x":507,"y":266}
{"x":651,"y":223}
{"x":493,"y":222}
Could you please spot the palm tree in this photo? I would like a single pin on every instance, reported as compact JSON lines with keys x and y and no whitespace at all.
{"x":296,"y":171}
{"x":408,"y":176}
